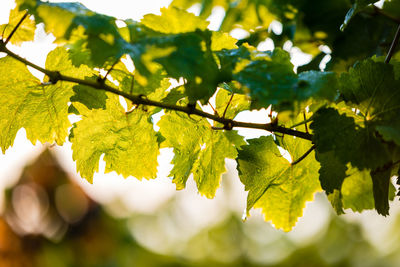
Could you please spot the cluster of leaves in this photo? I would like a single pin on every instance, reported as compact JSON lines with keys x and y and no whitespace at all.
{"x":349,"y":115}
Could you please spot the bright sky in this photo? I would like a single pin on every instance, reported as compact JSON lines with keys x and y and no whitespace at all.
{"x":146,"y":196}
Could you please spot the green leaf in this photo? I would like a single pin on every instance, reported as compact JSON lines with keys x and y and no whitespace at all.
{"x":332,"y":171}
{"x":222,"y":40}
{"x":60,"y":60}
{"x":380,"y":183}
{"x":336,"y":200}
{"x":372,"y":88}
{"x":392,"y":7}
{"x":357,"y":190}
{"x":93,"y":34}
{"x":25,"y":31}
{"x":89,"y":96}
{"x":135,"y":83}
{"x":174,"y":20}
{"x":335,"y":132}
{"x":320,"y":85}
{"x":198,"y":150}
{"x":281,"y":190}
{"x":230,"y":104}
{"x":181,"y":55}
{"x":57,"y":17}
{"x":41,"y":109}
{"x":127,"y":140}
{"x":270,"y":81}
{"x":358,"y":6}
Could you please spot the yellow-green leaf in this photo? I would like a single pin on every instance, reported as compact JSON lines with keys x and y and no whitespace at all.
{"x":127,"y":140}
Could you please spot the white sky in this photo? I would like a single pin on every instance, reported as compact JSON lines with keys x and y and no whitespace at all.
{"x":146,"y":196}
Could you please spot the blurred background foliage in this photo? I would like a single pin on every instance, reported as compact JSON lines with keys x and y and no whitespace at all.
{"x":49,"y":221}
{"x":308,"y":25}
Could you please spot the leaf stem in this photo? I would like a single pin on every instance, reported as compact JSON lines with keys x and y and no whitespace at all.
{"x":227,"y":105}
{"x":56,"y":76}
{"x":16,"y":28}
{"x":393,"y":45}
{"x":304,"y":156}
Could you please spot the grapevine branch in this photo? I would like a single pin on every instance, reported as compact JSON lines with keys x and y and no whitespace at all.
{"x":56,"y":76}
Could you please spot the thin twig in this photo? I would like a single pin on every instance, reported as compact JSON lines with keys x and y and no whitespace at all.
{"x":16,"y":28}
{"x":305,"y":119}
{"x":110,"y":69}
{"x":215,"y":111}
{"x":55,"y":76}
{"x":227,"y":105}
{"x":4,"y":31}
{"x":304,"y":156}
{"x":393,"y":45}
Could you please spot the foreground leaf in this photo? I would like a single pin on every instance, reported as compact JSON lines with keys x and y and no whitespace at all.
{"x":25,"y":32}
{"x":41,"y":109}
{"x":281,"y":190}
{"x":127,"y":140}
{"x":198,"y":149}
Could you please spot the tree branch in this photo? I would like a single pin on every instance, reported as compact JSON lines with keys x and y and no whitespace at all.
{"x":55,"y":76}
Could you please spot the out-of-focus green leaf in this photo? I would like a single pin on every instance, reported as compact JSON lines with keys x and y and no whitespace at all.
{"x":173,"y":20}
{"x":357,"y":190}
{"x":357,"y":7}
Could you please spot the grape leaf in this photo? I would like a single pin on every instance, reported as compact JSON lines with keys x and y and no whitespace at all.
{"x":392,"y":8}
{"x":61,"y":61}
{"x":320,"y":85}
{"x":181,"y":55}
{"x":25,"y":32}
{"x":372,"y":88}
{"x":336,"y":200}
{"x":89,"y":96}
{"x":270,"y":81}
{"x":380,"y":186}
{"x":281,"y":190}
{"x":87,"y":31}
{"x":57,"y":17}
{"x":41,"y":109}
{"x":134,"y":83}
{"x":174,"y":20}
{"x":127,"y":140}
{"x":222,"y":40}
{"x":357,"y":190}
{"x":198,"y":149}
{"x":335,"y":132}
{"x":230,"y":104}
{"x":332,"y":171}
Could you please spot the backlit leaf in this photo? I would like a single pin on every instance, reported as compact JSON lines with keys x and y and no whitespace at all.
{"x":127,"y":141}
{"x":281,"y":190}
